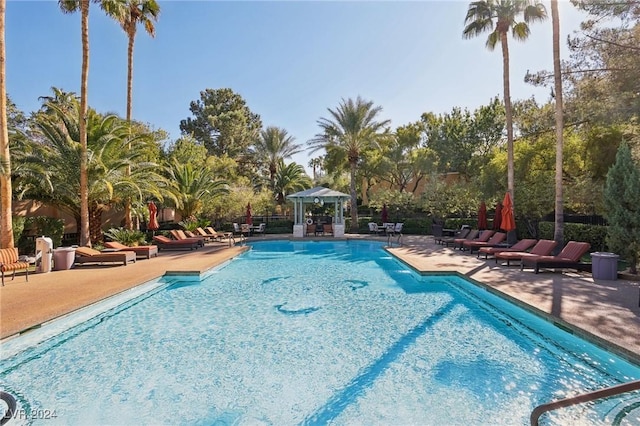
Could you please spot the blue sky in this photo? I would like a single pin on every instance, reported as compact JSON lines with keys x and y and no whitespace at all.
{"x":289,"y":60}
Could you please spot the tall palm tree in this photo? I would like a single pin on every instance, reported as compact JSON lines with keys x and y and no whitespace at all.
{"x":6,"y":224}
{"x":557,"y":71}
{"x":351,"y":129}
{"x":130,"y":13}
{"x":272,"y":147}
{"x":498,"y":17}
{"x":290,"y":178}
{"x":72,"y":6}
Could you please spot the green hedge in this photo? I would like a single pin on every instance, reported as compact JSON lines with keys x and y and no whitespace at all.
{"x":40,"y":226}
{"x":592,"y":234}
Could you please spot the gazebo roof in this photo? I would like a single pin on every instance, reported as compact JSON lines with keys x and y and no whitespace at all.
{"x":320,"y":192}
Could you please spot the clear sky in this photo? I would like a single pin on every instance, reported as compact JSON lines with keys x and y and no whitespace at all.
{"x":290,"y":60}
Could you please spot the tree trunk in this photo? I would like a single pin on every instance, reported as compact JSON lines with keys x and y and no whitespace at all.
{"x":95,"y":221}
{"x":128,"y":222}
{"x":6,"y":222}
{"x":557,"y":71}
{"x":354,"y":199}
{"x":508,"y":113}
{"x":85,"y":239}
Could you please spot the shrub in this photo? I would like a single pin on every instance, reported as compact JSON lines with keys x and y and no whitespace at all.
{"x":40,"y":226}
{"x":127,"y":237}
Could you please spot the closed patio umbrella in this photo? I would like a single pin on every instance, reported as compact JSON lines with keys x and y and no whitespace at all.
{"x":497,"y":218}
{"x":385,"y":214}
{"x":153,"y":220}
{"x":482,"y":216}
{"x":508,"y":221}
{"x":249,"y":219}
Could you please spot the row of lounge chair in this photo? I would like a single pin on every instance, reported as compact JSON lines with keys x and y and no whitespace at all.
{"x":531,"y":253}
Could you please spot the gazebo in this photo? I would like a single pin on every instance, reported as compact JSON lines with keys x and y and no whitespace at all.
{"x":318,"y":195}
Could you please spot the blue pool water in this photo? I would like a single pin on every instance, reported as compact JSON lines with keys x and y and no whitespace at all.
{"x":315,"y":333}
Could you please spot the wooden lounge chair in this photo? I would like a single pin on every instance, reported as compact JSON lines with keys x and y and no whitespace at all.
{"x":221,"y":234}
{"x":327,"y":228}
{"x":522,"y":245}
{"x":457,"y":242}
{"x":165,"y":243}
{"x":474,"y":245}
{"x":179,"y":235}
{"x":542,"y":248}
{"x":568,"y":258}
{"x":144,"y":252}
{"x":483,"y":237}
{"x":89,"y":255}
{"x":9,"y":262}
{"x":310,"y":229}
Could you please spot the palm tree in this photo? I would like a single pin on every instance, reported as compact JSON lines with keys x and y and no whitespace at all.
{"x":557,"y":71}
{"x":498,"y":17}
{"x":351,"y":129}
{"x":290,"y":178}
{"x":130,"y":13}
{"x":6,"y":224}
{"x":191,"y":184}
{"x":274,"y":145}
{"x":71,"y":6}
{"x":316,"y":165}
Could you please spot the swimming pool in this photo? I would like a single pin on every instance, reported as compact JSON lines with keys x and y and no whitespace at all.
{"x":314,"y":333}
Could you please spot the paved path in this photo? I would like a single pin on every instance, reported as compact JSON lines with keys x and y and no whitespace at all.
{"x":607,"y":310}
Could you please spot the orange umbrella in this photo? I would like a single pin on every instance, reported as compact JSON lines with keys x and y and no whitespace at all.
{"x":153,"y":220}
{"x":482,"y":216}
{"x":508,"y":221}
{"x":249,"y":220}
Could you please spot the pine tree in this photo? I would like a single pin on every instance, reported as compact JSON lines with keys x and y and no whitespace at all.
{"x":622,"y":192}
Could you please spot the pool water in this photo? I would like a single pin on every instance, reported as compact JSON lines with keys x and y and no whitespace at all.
{"x":315,"y":333}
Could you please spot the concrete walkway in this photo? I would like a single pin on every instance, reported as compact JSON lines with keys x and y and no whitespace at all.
{"x":604,"y":310}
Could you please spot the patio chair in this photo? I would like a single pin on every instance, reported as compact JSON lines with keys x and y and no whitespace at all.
{"x":179,"y":235}
{"x":483,"y":237}
{"x":165,"y":243}
{"x":144,"y":252}
{"x":568,"y":258}
{"x":310,"y":229}
{"x":222,"y":235}
{"x":260,"y":229}
{"x":89,"y":255}
{"x":542,"y":248}
{"x":436,"y":230}
{"x":373,"y":228}
{"x":327,"y":228}
{"x":471,"y":235}
{"x":9,"y":261}
{"x":245,"y":228}
{"x":475,"y":245}
{"x":522,"y":245}
{"x":462,"y":233}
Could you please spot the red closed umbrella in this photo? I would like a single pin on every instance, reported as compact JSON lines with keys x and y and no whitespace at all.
{"x":508,"y":221}
{"x":482,"y":216}
{"x":385,"y":214}
{"x":153,"y":220}
{"x":249,"y":220}
{"x":497,"y":218}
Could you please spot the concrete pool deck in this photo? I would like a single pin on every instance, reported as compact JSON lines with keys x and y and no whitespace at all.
{"x":607,"y":310}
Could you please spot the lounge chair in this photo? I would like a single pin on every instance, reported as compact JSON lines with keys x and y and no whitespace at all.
{"x":222,"y":235}
{"x":327,"y":228}
{"x":568,"y":258}
{"x":211,"y":236}
{"x":474,"y":245}
{"x":471,"y":235}
{"x":522,"y":245}
{"x":165,"y":243}
{"x":89,"y":255}
{"x":483,"y":237}
{"x":194,"y":235}
{"x":9,"y":261}
{"x":542,"y":248}
{"x":144,"y":252}
{"x":179,"y":235}
{"x":460,"y":234}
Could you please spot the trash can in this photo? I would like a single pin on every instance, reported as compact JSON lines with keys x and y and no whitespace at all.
{"x":63,"y":258}
{"x":604,"y":266}
{"x":44,"y":252}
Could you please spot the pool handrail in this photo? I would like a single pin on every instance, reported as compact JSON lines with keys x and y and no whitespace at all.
{"x":585,"y":397}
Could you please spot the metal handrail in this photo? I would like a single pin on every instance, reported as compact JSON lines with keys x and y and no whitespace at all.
{"x":585,"y":397}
